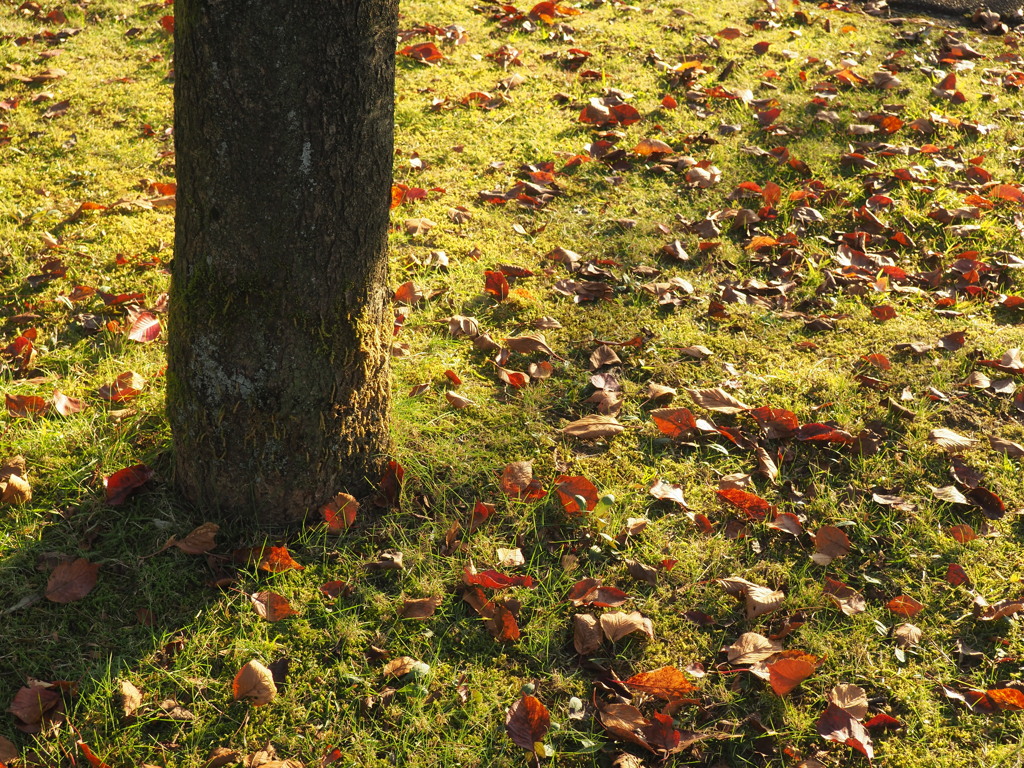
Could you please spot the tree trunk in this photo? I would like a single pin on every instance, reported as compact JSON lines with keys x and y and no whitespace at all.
{"x":278,"y":389}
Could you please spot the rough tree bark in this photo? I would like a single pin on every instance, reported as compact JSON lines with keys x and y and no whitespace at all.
{"x":278,"y":378}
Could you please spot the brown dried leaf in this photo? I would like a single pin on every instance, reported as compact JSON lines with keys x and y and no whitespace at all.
{"x":255,"y":683}
{"x":949,"y":440}
{"x":71,"y":581}
{"x":593,"y":427}
{"x":846,"y":598}
{"x":199,"y":541}
{"x":718,"y":400}
{"x":829,"y":543}
{"x":616,"y":626}
{"x":586,"y":635}
{"x":419,"y":608}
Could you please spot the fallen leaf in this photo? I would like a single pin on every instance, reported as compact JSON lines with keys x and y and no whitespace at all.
{"x":527,"y":722}
{"x":949,"y":440}
{"x":71,"y":581}
{"x":199,"y":541}
{"x":718,"y":400}
{"x":129,"y":699}
{"x":847,"y":599}
{"x":255,"y":683}
{"x":616,"y":626}
{"x":340,"y":512}
{"x":829,"y":543}
{"x":593,"y":427}
{"x":419,"y":608}
{"x":123,"y":483}
{"x":272,"y":606}
{"x":750,"y":648}
{"x":517,"y":482}
{"x":570,"y":489}
{"x":668,"y":683}
{"x":787,"y":673}
{"x":586,"y":634}
{"x":126,"y":386}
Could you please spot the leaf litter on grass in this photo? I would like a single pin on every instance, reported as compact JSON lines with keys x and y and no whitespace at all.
{"x":812,"y":238}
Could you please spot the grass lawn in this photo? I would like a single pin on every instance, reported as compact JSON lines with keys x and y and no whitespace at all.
{"x":773,"y":254}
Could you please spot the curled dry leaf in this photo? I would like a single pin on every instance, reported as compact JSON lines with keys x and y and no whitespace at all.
{"x":510,"y":558}
{"x":986,"y":612}
{"x":340,"y":512}
{"x":126,"y":386}
{"x":829,"y":543}
{"x":592,"y":592}
{"x":517,"y":482}
{"x":255,"y":683}
{"x":586,"y":635}
{"x":846,"y":598}
{"x":759,"y":600}
{"x":527,"y":722}
{"x":199,"y":541}
{"x":71,"y":581}
{"x":129,"y":698}
{"x":271,"y":606}
{"x":593,"y":427}
{"x":616,"y":626}
{"x":15,"y":490}
{"x":907,"y":635}
{"x":419,"y":608}
{"x":668,"y":492}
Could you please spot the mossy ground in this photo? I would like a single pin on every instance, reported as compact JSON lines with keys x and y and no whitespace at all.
{"x":113,"y":144}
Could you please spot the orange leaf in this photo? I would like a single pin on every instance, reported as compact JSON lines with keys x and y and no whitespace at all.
{"x":568,"y":488}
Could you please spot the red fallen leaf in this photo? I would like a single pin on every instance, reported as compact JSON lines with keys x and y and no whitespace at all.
{"x":340,"y":512}
{"x":126,"y":386}
{"x":91,"y":758}
{"x":120,"y":485}
{"x":750,"y":504}
{"x":502,"y":624}
{"x":1006,"y":192}
{"x":517,"y":482}
{"x":496,"y":284}
{"x":625,"y":114}
{"x":32,"y":704}
{"x":836,"y":724}
{"x":1007,"y":699}
{"x":167,"y":24}
{"x":989,"y":503}
{"x":668,"y":683}
{"x":677,"y":423}
{"x":272,"y":606}
{"x":824,"y":433}
{"x":391,"y":483}
{"x":408,"y":293}
{"x":669,"y":102}
{"x":527,"y":720}
{"x":847,"y":599}
{"x":729,"y":33}
{"x":878,"y":360}
{"x":333,"y":755}
{"x":494,"y":580}
{"x":71,"y":581}
{"x":956,"y":575}
{"x":591,"y":592}
{"x":335,"y":589}
{"x":145,"y":328}
{"x":481,"y":511}
{"x":962,"y":533}
{"x":269,"y":559}
{"x":883,"y":312}
{"x":904,"y":605}
{"x":883,"y":720}
{"x":787,"y":673}
{"x":515,"y":379}
{"x":427,"y":53}
{"x":25,"y":406}
{"x":777,"y":422}
{"x":568,"y":488}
